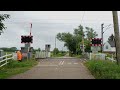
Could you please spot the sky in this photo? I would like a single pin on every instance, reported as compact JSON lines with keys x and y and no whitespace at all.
{"x":46,"y":25}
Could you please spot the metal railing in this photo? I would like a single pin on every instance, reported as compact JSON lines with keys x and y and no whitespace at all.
{"x":4,"y":59}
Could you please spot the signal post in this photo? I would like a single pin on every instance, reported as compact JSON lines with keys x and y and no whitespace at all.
{"x":27,"y":40}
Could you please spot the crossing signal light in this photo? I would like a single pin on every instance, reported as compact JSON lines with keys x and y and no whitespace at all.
{"x":26,"y":39}
{"x":96,"y":41}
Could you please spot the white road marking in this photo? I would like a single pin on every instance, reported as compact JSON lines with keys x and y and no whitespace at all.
{"x":47,"y":65}
{"x":75,"y":63}
{"x":62,"y":63}
{"x":82,"y":64}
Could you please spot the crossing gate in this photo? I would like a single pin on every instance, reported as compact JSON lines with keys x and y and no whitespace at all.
{"x":42,"y":54}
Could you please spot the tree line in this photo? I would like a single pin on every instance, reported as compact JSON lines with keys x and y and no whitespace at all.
{"x":12,"y":49}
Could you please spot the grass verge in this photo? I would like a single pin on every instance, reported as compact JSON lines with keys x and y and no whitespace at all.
{"x":15,"y":67}
{"x":103,"y":69}
{"x":58,"y":55}
{"x":77,"y":56}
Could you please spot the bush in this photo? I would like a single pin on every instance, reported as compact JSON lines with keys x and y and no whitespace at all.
{"x":104,"y":69}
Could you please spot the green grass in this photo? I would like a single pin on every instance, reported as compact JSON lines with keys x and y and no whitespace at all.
{"x":77,"y":56}
{"x":58,"y":55}
{"x":15,"y":67}
{"x":104,"y":69}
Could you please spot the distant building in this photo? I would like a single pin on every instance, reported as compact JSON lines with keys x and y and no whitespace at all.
{"x":109,"y":47}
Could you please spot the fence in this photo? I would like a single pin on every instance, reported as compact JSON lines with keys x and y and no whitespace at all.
{"x":97,"y":56}
{"x":4,"y":59}
{"x":100,"y":56}
{"x":42,"y":54}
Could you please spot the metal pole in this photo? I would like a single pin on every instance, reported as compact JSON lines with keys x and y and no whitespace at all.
{"x":83,"y":45}
{"x":55,"y":45}
{"x":102,"y":36}
{"x":30,"y":28}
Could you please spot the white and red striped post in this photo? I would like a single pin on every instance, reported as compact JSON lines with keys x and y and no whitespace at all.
{"x":30,"y":28}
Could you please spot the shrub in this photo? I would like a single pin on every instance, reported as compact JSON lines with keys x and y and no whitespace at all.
{"x":104,"y":69}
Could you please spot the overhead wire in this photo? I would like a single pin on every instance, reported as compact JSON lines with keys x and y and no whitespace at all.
{"x":82,"y":17}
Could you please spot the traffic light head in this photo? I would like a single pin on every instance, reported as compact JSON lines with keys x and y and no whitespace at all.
{"x":26,"y":39}
{"x":96,"y":41}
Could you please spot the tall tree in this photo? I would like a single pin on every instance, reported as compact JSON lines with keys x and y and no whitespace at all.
{"x":73,"y":41}
{"x":78,"y":34}
{"x":69,"y":41}
{"x":90,"y":33}
{"x":55,"y":51}
{"x":2,"y":18}
{"x":79,"y":30}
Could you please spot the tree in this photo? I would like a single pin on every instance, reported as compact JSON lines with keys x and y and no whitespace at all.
{"x":13,"y":49}
{"x":73,"y":41}
{"x":90,"y":33}
{"x":111,"y":38}
{"x":55,"y":51}
{"x":79,"y":30}
{"x":79,"y":34}
{"x":2,"y":18}
{"x":39,"y":49}
{"x":69,"y":41}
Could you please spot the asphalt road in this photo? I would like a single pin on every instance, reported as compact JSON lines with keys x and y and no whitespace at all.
{"x":57,"y":68}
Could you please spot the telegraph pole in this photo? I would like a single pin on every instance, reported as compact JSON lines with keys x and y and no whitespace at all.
{"x":102,"y":36}
{"x":83,"y":44}
{"x":55,"y":45}
{"x":116,"y":32}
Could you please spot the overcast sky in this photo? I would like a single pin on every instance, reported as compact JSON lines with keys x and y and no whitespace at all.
{"x":46,"y":24}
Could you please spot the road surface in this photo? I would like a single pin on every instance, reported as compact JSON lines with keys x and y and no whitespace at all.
{"x":57,"y":68}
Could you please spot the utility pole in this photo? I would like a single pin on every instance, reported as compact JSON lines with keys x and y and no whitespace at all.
{"x":116,"y":32}
{"x":83,"y":44}
{"x":102,"y":36}
{"x":55,"y":45}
